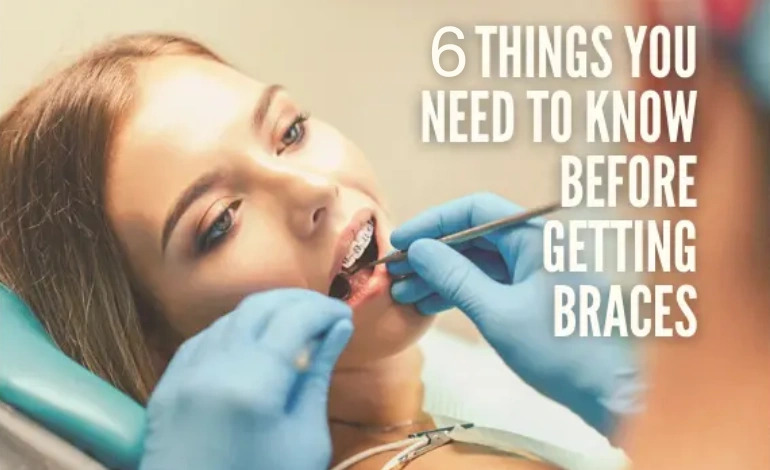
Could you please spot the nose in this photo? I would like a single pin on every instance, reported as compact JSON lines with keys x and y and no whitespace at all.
{"x":309,"y":199}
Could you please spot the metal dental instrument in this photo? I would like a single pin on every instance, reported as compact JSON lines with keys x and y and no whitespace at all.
{"x":474,"y":232}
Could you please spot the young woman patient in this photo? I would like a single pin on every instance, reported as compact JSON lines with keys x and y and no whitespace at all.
{"x":149,"y":187}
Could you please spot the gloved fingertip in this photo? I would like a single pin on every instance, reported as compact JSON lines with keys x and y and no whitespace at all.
{"x":433,"y":305}
{"x":335,"y":308}
{"x":334,"y":343}
{"x":400,"y":239}
{"x":343,"y":330}
{"x":431,"y":310}
{"x":410,"y":290}
{"x":398,"y":291}
{"x":314,"y":384}
{"x":399,"y":268}
{"x":344,"y":310}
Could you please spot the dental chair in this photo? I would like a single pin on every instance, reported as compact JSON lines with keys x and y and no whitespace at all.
{"x":54,"y":414}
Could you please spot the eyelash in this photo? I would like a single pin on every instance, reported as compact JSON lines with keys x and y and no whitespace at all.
{"x":209,"y":239}
{"x":297,"y":123}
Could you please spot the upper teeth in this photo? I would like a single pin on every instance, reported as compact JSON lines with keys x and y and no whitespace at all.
{"x":362,"y":240}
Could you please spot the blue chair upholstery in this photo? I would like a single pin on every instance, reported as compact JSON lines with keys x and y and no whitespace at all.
{"x":40,"y":381}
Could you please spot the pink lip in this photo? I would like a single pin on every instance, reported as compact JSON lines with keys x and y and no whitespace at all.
{"x":346,"y":238}
{"x":376,"y":285}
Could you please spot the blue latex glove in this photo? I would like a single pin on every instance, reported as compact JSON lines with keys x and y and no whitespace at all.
{"x":232,"y":397}
{"x":500,"y":283}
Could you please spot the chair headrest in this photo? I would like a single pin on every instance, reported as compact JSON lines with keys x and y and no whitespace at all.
{"x":39,"y":380}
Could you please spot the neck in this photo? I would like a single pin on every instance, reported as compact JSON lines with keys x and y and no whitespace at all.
{"x":380,"y":393}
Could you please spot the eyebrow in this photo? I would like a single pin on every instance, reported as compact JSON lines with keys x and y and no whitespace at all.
{"x":198,"y":188}
{"x":205,"y":182}
{"x":264,"y":103}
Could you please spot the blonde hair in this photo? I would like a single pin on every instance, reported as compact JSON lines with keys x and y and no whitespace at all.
{"x":57,"y":249}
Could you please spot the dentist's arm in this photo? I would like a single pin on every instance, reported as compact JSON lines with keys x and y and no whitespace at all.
{"x":232,"y":397}
{"x":499,"y":282}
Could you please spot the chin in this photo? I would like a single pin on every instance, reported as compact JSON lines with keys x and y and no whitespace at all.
{"x":379,"y":334}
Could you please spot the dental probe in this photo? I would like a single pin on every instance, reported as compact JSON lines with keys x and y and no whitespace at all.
{"x":302,"y":361}
{"x":474,"y":232}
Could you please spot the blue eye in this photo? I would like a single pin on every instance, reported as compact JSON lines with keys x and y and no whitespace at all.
{"x":294,"y":134}
{"x":219,"y":229}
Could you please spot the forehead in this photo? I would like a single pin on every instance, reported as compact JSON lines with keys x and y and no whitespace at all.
{"x":188,"y":113}
{"x":181,"y":94}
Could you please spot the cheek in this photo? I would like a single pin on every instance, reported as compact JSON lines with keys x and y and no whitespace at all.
{"x":247,"y":263}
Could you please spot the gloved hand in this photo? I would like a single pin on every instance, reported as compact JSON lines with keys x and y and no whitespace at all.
{"x":232,"y":397}
{"x":500,"y":283}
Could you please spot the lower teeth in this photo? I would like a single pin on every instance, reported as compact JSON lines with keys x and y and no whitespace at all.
{"x":342,"y":285}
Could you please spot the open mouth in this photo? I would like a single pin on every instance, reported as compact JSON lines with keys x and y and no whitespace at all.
{"x":363,"y":250}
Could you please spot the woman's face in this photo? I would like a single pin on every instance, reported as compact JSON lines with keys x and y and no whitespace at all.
{"x":221,"y":186}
